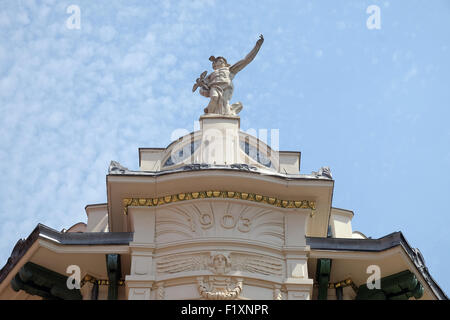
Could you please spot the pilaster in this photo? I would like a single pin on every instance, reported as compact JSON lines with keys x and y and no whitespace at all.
{"x":297,"y":283}
{"x":142,"y":276}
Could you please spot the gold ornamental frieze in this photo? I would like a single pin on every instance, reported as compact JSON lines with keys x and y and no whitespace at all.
{"x":153,"y":202}
{"x":101,"y":282}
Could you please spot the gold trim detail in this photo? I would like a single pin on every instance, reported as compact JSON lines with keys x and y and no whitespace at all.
{"x":344,"y":283}
{"x":153,"y":202}
{"x":100,"y":282}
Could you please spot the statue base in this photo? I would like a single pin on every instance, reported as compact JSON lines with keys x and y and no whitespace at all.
{"x":220,"y":139}
{"x":219,"y":118}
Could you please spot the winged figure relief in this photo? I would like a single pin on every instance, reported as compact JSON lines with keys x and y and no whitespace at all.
{"x":183,"y":263}
{"x":257,"y":264}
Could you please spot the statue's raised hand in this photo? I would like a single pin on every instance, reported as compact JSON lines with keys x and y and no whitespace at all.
{"x":260,"y":40}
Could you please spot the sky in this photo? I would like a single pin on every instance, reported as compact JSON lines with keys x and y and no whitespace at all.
{"x":370,"y":103}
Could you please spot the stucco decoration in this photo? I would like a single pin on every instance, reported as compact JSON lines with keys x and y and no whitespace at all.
{"x":323,"y":172}
{"x":243,"y":167}
{"x":258,"y":264}
{"x":218,"y":85}
{"x":183,"y":263}
{"x":252,"y":197}
{"x":221,"y":263}
{"x":196,"y":166}
{"x":116,"y":167}
{"x":277,"y":294}
{"x":160,"y":292}
{"x":209,"y":218}
{"x":219,"y":288}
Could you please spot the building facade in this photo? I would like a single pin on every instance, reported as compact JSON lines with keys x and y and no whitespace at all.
{"x":216,"y":215}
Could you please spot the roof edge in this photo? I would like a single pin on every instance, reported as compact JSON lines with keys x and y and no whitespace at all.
{"x":377,"y":245}
{"x":82,"y":238}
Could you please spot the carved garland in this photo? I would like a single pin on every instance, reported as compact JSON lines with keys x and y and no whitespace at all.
{"x":344,"y":283}
{"x":100,"y":282}
{"x":222,"y":294}
{"x":152,"y":202}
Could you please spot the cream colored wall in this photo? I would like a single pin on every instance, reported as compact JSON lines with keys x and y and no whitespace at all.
{"x":289,"y":162}
{"x":151,"y":159}
{"x":341,"y":223}
{"x":97,"y":218}
{"x":174,"y":249}
{"x":220,"y":140}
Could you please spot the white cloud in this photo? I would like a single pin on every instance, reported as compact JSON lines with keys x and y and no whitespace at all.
{"x":72,"y":100}
{"x":71,"y":103}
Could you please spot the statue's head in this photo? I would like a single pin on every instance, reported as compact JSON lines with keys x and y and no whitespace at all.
{"x":218,"y":62}
{"x":220,"y":262}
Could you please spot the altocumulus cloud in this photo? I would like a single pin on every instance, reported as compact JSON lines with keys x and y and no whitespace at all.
{"x":72,"y":100}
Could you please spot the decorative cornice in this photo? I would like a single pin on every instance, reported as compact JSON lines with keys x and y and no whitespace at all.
{"x":152,"y":202}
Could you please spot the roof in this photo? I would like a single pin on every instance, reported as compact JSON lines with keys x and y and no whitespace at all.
{"x":376,"y":245}
{"x":67,"y":238}
{"x":124,"y":238}
{"x":116,"y":168}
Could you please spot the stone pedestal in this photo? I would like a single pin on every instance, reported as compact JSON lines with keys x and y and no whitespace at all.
{"x":220,"y":140}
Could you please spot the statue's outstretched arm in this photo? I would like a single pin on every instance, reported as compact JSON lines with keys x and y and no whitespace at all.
{"x":238,"y":66}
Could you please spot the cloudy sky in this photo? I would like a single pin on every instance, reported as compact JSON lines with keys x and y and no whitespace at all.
{"x":373,"y":104}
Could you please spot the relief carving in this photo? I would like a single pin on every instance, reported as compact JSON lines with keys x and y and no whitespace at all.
{"x":206,"y":220}
{"x":257,"y":264}
{"x":219,"y":288}
{"x":228,"y":221}
{"x":219,"y":219}
{"x":182,"y":263}
{"x":221,"y":263}
{"x":277,"y":294}
{"x":160,"y":292}
{"x":244,"y":224}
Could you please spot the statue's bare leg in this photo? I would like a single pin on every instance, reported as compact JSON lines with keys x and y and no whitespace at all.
{"x":213,"y":106}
